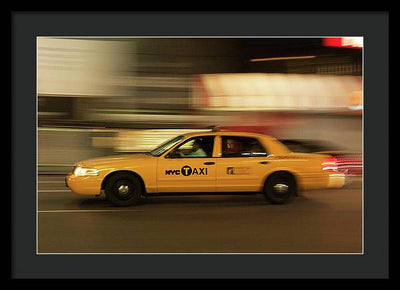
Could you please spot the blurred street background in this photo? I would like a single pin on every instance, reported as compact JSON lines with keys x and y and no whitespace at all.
{"x":106,"y":96}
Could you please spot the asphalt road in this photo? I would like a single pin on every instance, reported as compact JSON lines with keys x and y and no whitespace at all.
{"x":324,"y":221}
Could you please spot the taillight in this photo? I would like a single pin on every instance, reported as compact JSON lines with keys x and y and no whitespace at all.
{"x":330,"y":163}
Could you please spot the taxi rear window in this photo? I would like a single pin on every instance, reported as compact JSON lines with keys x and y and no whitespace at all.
{"x":233,"y":146}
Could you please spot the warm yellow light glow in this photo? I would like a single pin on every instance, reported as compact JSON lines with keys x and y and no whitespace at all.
{"x":282,"y":58}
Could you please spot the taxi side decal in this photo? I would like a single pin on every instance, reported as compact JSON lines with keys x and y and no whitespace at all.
{"x":238,"y":170}
{"x":186,"y":171}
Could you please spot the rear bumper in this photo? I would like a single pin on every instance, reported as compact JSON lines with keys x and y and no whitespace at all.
{"x":336,"y":180}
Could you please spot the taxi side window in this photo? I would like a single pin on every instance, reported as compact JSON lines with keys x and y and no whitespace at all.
{"x":195,"y":147}
{"x":242,"y":147}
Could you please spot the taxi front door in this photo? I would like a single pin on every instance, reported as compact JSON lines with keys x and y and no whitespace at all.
{"x":180,"y":173}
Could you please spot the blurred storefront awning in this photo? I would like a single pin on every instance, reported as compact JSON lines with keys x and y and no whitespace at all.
{"x":277,"y":92}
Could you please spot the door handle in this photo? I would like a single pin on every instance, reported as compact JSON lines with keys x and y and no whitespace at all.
{"x":264,"y":162}
{"x":209,"y":163}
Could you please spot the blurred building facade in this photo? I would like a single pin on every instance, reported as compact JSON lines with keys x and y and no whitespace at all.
{"x":96,"y":80}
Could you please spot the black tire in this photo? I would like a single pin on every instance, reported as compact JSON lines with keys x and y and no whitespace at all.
{"x":280,"y":188}
{"x":123,"y":189}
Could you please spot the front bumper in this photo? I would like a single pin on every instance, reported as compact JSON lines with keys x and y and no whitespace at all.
{"x":86,"y":185}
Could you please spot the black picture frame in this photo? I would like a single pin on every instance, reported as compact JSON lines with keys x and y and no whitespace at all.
{"x":373,"y":26}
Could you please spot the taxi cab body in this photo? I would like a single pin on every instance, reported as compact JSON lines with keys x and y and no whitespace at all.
{"x":206,"y":162}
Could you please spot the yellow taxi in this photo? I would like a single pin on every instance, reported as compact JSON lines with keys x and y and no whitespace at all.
{"x":207,"y":162}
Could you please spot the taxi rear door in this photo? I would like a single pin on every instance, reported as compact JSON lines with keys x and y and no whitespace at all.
{"x":242,"y":164}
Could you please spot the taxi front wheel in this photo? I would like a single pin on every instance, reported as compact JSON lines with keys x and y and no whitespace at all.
{"x":123,"y":189}
{"x":279,"y":188}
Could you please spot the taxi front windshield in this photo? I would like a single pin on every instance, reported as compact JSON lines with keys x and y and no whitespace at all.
{"x":158,"y":151}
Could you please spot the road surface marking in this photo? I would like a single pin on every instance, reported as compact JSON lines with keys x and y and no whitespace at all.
{"x":51,"y":181}
{"x":85,"y":210}
{"x":53,"y":190}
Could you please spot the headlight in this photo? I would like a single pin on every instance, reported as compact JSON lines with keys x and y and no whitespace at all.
{"x":81,"y":171}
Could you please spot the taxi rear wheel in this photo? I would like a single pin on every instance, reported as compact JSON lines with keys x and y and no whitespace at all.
{"x":123,"y":189}
{"x":279,"y":188}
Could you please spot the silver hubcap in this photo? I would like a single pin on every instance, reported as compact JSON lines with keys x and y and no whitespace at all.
{"x":123,"y":189}
{"x":281,"y":188}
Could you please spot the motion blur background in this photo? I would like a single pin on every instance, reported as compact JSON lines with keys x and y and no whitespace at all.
{"x":106,"y":96}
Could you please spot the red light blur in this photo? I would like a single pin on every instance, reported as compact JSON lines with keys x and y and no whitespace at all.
{"x":330,"y":163}
{"x":345,"y":42}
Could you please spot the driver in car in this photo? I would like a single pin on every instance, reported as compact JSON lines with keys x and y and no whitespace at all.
{"x":197,"y":150}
